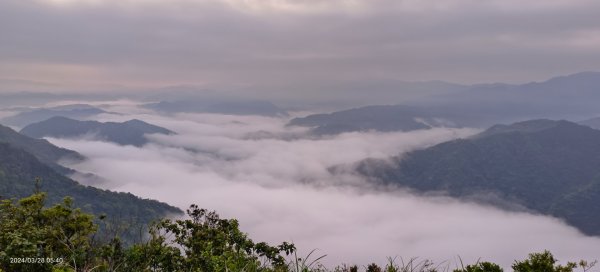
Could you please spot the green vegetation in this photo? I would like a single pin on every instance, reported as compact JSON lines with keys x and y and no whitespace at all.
{"x":28,"y":230}
{"x":34,"y":237}
{"x":41,"y":149}
{"x":124,"y":212}
{"x":551,"y":167}
{"x":62,"y":238}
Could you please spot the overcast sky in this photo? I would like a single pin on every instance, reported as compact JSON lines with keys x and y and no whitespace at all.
{"x":291,"y":45}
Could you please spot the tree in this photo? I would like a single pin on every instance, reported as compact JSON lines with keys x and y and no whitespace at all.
{"x":207,"y":243}
{"x":374,"y":268}
{"x":481,"y":267}
{"x":542,"y":262}
{"x":44,"y":238}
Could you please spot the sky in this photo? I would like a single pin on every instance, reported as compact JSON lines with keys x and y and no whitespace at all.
{"x":290,"y":46}
{"x":280,"y":189}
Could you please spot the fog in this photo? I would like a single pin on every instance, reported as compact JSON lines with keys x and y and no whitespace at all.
{"x":277,"y":184}
{"x":4,"y":113}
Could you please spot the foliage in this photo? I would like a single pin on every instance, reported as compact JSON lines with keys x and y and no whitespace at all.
{"x":481,"y":267}
{"x":542,"y":262}
{"x":299,"y":264}
{"x":203,"y":242}
{"x":206,"y":242}
{"x":46,"y":235}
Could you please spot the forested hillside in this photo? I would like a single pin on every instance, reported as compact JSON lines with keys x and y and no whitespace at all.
{"x":551,"y":167}
{"x":44,"y":151}
{"x":19,"y":171}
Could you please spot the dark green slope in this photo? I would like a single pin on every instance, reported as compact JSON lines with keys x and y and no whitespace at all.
{"x":19,"y":169}
{"x":552,"y":167}
{"x":44,"y":151}
{"x":127,"y":133}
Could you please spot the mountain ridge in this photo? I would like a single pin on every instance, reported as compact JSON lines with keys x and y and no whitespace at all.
{"x":552,"y":167}
{"x":73,"y":111}
{"x":43,"y":150}
{"x":19,"y":169}
{"x":126,"y":133}
{"x":383,"y":118}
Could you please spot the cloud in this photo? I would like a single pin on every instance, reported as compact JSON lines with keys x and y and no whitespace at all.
{"x":292,"y":48}
{"x":5,"y":113}
{"x":280,"y":190}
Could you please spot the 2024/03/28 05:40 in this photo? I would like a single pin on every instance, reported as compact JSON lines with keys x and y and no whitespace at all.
{"x":36,"y":260}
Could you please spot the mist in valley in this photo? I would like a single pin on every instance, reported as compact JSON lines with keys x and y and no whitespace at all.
{"x":278,"y":182}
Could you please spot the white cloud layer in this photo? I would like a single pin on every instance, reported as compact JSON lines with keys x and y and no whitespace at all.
{"x":280,"y":190}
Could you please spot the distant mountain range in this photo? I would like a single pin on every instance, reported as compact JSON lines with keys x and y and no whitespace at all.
{"x":19,"y":97}
{"x":592,"y":122}
{"x":570,"y":97}
{"x":75,"y":111}
{"x":23,"y":160}
{"x":370,"y":118}
{"x":263,"y":108}
{"x":127,"y":133}
{"x":550,"y":167}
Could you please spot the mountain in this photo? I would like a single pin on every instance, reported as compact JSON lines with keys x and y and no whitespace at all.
{"x":377,"y":118}
{"x":550,"y":167}
{"x":262,"y":108}
{"x":19,"y":169}
{"x":571,"y":97}
{"x":44,"y":151}
{"x":127,"y":133}
{"x":593,"y":123}
{"x":75,"y":111}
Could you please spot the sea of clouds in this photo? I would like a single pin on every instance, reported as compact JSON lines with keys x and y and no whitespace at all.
{"x":277,"y":181}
